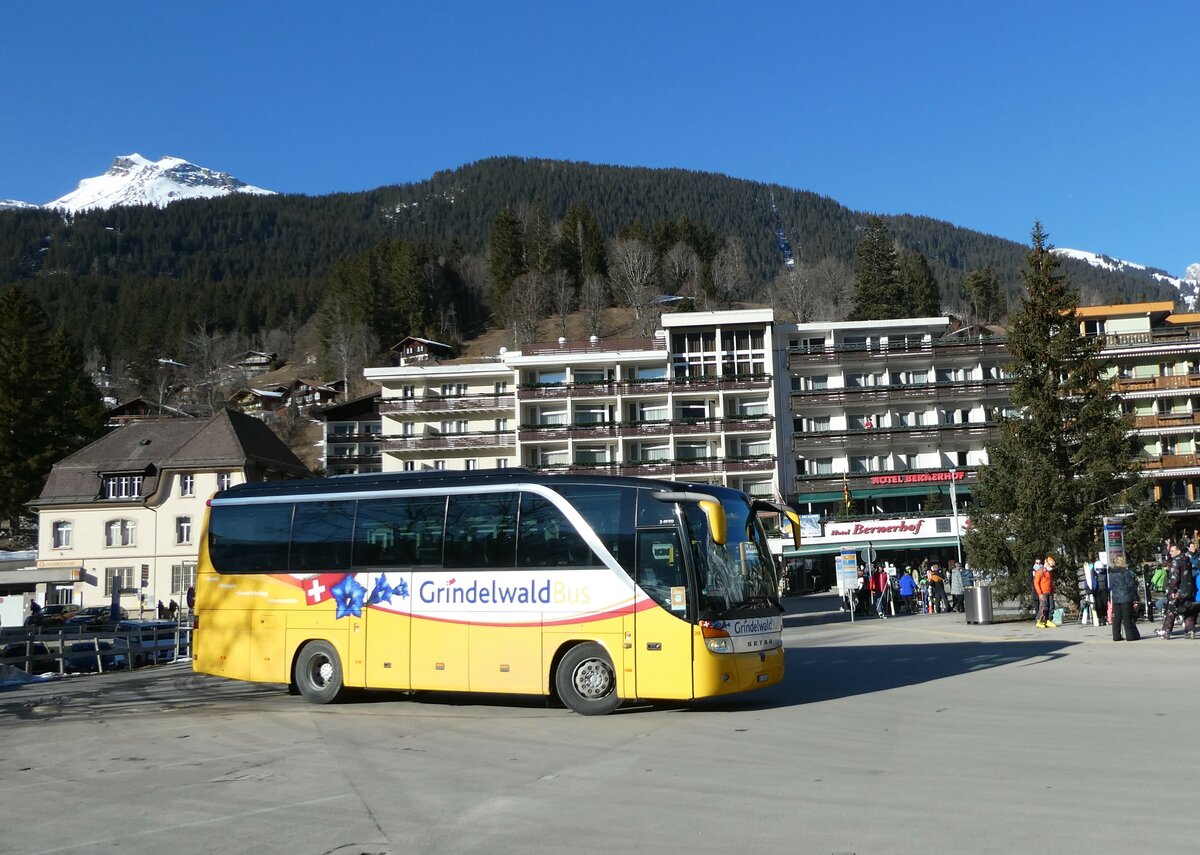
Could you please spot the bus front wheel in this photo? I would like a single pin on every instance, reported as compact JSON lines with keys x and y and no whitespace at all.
{"x":586,"y":680}
{"x":319,"y":672}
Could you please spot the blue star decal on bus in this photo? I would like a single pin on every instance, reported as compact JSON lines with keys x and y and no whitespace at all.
{"x":382,"y":592}
{"x":348,"y":595}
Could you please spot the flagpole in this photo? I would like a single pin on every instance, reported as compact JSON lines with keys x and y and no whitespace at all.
{"x":954,"y":509}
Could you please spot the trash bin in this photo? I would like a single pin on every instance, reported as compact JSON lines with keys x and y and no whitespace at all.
{"x":979,"y":604}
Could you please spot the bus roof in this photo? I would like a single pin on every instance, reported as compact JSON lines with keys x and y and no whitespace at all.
{"x":377,"y":481}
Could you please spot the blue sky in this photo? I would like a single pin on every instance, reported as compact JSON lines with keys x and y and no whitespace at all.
{"x":989,"y":115}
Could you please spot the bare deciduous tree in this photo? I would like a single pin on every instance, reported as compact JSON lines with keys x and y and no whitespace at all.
{"x":562,"y":294}
{"x":730,"y":276}
{"x":207,"y":354}
{"x":347,"y":344}
{"x":681,"y":266}
{"x":527,"y":305}
{"x":593,"y":300}
{"x":832,"y":289}
{"x":633,"y":273}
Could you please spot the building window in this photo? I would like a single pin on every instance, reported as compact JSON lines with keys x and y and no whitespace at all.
{"x":439,"y":465}
{"x":122,"y":486}
{"x":224,"y":480}
{"x":501,"y":462}
{"x":501,"y":425}
{"x":62,"y":535}
{"x":117,"y":577}
{"x":120,"y":533}
{"x":471,"y":465}
{"x":183,"y":529}
{"x":409,"y":466}
{"x":183,"y":576}
{"x":500,"y":387}
{"x":187,"y":484}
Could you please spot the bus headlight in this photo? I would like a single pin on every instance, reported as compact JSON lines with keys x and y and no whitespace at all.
{"x":719,"y":645}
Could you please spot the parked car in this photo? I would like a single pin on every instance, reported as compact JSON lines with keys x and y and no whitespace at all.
{"x":52,"y":615}
{"x":93,"y":615}
{"x":81,"y":657}
{"x":31,"y":658}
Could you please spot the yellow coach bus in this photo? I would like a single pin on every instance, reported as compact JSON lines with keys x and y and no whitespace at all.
{"x":590,"y":588}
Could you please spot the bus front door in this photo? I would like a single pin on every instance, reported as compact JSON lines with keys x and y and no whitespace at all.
{"x":662,"y":643}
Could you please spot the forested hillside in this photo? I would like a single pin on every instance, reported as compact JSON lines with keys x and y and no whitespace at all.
{"x":143,"y":279}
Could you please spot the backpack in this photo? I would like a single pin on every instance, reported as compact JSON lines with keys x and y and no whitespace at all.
{"x":1187,"y":584}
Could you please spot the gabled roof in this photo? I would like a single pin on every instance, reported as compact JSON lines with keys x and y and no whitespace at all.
{"x":227,"y":440}
{"x":367,"y":405}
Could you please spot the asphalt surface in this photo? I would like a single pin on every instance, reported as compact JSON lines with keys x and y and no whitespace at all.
{"x":912,"y":735}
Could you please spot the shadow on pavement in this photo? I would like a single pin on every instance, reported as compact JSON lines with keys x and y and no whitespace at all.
{"x":815,"y":674}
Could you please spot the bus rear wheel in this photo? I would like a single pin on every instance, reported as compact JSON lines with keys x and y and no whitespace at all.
{"x":319,"y":672}
{"x":586,"y":680}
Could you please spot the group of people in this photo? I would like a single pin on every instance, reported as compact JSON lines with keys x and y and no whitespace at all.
{"x":883,"y":589}
{"x":1180,"y":591}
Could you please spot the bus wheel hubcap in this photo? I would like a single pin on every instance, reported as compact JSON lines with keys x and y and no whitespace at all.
{"x":593,"y":679}
{"x":324,"y":672}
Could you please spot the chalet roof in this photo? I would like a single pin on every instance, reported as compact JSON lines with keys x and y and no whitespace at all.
{"x":367,"y":405}
{"x":227,"y":440}
{"x":400,"y":344}
{"x":320,"y":385}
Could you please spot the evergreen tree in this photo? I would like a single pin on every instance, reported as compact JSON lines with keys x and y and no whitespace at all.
{"x":581,"y":245}
{"x":982,"y":290}
{"x":921,"y":295}
{"x":1066,"y":459}
{"x":48,"y":406}
{"x":877,"y":292}
{"x":506,"y":258}
{"x":539,"y":246}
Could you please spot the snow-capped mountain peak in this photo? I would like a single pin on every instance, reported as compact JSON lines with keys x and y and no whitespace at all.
{"x":1188,"y":287}
{"x":136,"y":180}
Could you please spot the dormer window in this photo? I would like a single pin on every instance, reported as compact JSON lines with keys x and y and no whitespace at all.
{"x":122,"y":486}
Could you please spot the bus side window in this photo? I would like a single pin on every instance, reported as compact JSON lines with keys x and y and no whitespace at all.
{"x":322,"y":533}
{"x":399,"y":532}
{"x":481,"y":531}
{"x":547,"y":539}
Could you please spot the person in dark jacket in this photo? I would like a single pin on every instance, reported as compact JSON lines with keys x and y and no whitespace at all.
{"x":1181,"y":595}
{"x":1100,"y":592}
{"x":1123,"y":589}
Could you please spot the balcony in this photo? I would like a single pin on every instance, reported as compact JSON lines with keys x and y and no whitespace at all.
{"x":432,"y":442}
{"x":353,"y":459}
{"x":1168,"y":420}
{"x":738,"y":383}
{"x":1123,"y":385}
{"x":550,"y":433}
{"x":859,"y":353}
{"x":1151,"y":338}
{"x":666,"y":469}
{"x":346,"y":438}
{"x":1169,"y":461}
{"x":952,"y":390}
{"x":633,"y":430}
{"x":456,"y":404}
{"x":868,"y":437}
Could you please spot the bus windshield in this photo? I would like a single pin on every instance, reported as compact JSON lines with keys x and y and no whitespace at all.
{"x":738,"y":574}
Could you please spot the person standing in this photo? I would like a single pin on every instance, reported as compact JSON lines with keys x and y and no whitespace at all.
{"x":937,"y":588}
{"x":1100,"y":591}
{"x":1123,"y":588}
{"x":1181,"y":595}
{"x":957,"y":590}
{"x":1043,"y":586}
{"x":882,"y":582}
{"x":908,"y":587}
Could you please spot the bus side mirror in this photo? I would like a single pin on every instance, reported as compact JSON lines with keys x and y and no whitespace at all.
{"x":794,"y":518}
{"x":716,"y":520}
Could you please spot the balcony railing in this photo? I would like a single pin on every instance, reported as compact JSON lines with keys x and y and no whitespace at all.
{"x":353,"y":459}
{"x":613,"y":388}
{"x":864,"y":437}
{"x":881,"y":349}
{"x":438,"y":404}
{"x":1166,"y":420}
{"x":902,"y":391}
{"x":1169,"y":461}
{"x":1157,"y":338}
{"x":449,"y":441}
{"x":1149,"y":384}
{"x":729,"y":424}
{"x":663,"y":468}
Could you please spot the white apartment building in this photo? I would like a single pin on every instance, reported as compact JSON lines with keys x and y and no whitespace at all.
{"x":696,"y":402}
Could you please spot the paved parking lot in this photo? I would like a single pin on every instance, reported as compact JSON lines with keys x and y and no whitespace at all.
{"x":918,"y":734}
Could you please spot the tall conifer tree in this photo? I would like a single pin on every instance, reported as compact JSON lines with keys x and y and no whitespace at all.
{"x":922,"y":298}
{"x":1065,"y":458}
{"x":877,"y":291}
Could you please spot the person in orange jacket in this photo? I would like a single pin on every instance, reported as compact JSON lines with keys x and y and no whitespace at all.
{"x":1043,"y":586}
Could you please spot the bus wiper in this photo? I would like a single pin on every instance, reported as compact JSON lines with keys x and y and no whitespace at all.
{"x":758,"y":601}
